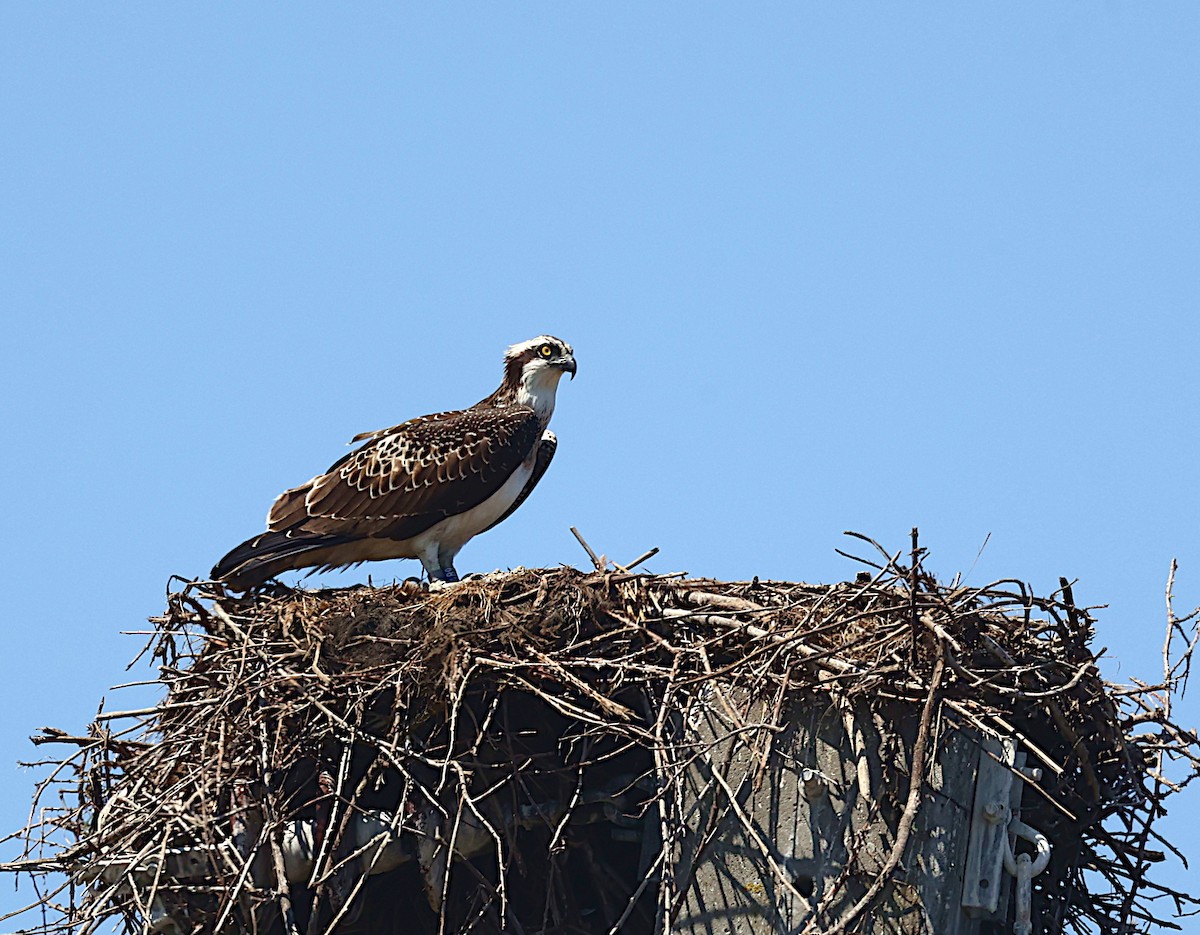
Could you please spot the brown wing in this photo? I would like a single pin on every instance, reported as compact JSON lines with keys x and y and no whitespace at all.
{"x":406,"y":479}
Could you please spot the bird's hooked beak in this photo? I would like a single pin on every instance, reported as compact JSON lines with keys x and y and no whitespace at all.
{"x":566,"y":364}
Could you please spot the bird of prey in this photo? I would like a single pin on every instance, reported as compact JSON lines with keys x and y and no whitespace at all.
{"x":420,"y":489}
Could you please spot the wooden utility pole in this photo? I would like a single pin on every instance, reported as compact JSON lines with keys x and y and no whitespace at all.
{"x":816,"y":824}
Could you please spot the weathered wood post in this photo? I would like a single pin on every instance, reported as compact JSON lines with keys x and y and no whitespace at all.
{"x":816,"y":819}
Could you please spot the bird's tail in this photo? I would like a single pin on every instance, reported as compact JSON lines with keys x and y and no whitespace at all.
{"x":266,"y":555}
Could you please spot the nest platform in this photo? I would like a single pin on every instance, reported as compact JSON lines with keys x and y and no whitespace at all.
{"x":557,"y":751}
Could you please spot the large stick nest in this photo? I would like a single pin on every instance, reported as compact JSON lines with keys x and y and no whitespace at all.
{"x":543,"y":724}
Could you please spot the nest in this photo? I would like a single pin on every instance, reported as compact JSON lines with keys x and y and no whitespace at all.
{"x":559,"y":751}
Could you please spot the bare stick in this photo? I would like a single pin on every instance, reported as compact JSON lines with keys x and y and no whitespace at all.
{"x":596,"y":562}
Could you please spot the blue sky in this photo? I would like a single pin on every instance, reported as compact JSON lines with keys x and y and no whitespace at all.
{"x":825,"y":267}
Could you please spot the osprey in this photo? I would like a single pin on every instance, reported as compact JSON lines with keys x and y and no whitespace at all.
{"x":420,"y":489}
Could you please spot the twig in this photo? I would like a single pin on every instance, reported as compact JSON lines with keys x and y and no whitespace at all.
{"x":596,"y":562}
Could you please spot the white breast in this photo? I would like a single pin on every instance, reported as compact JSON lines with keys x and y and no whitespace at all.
{"x":445,"y":538}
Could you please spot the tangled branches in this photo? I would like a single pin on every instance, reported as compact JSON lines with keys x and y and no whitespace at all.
{"x":557,"y":751}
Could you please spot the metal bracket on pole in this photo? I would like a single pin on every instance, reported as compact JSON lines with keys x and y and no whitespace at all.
{"x":1025,"y":868}
{"x":994,"y":827}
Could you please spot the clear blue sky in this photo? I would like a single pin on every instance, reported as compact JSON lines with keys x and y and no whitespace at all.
{"x":825,"y":267}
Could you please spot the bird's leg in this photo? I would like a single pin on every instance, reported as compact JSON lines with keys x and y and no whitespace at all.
{"x":442,"y":578}
{"x":445,"y":565}
{"x":434,"y":565}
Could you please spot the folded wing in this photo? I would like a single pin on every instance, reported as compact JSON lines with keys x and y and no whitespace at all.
{"x":398,"y":484}
{"x":406,"y":479}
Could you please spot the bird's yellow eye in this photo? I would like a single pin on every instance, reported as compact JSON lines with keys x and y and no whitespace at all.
{"x":546,"y":350}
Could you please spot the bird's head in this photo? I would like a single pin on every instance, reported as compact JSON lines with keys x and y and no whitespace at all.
{"x":545,"y":357}
{"x":533,"y":368}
